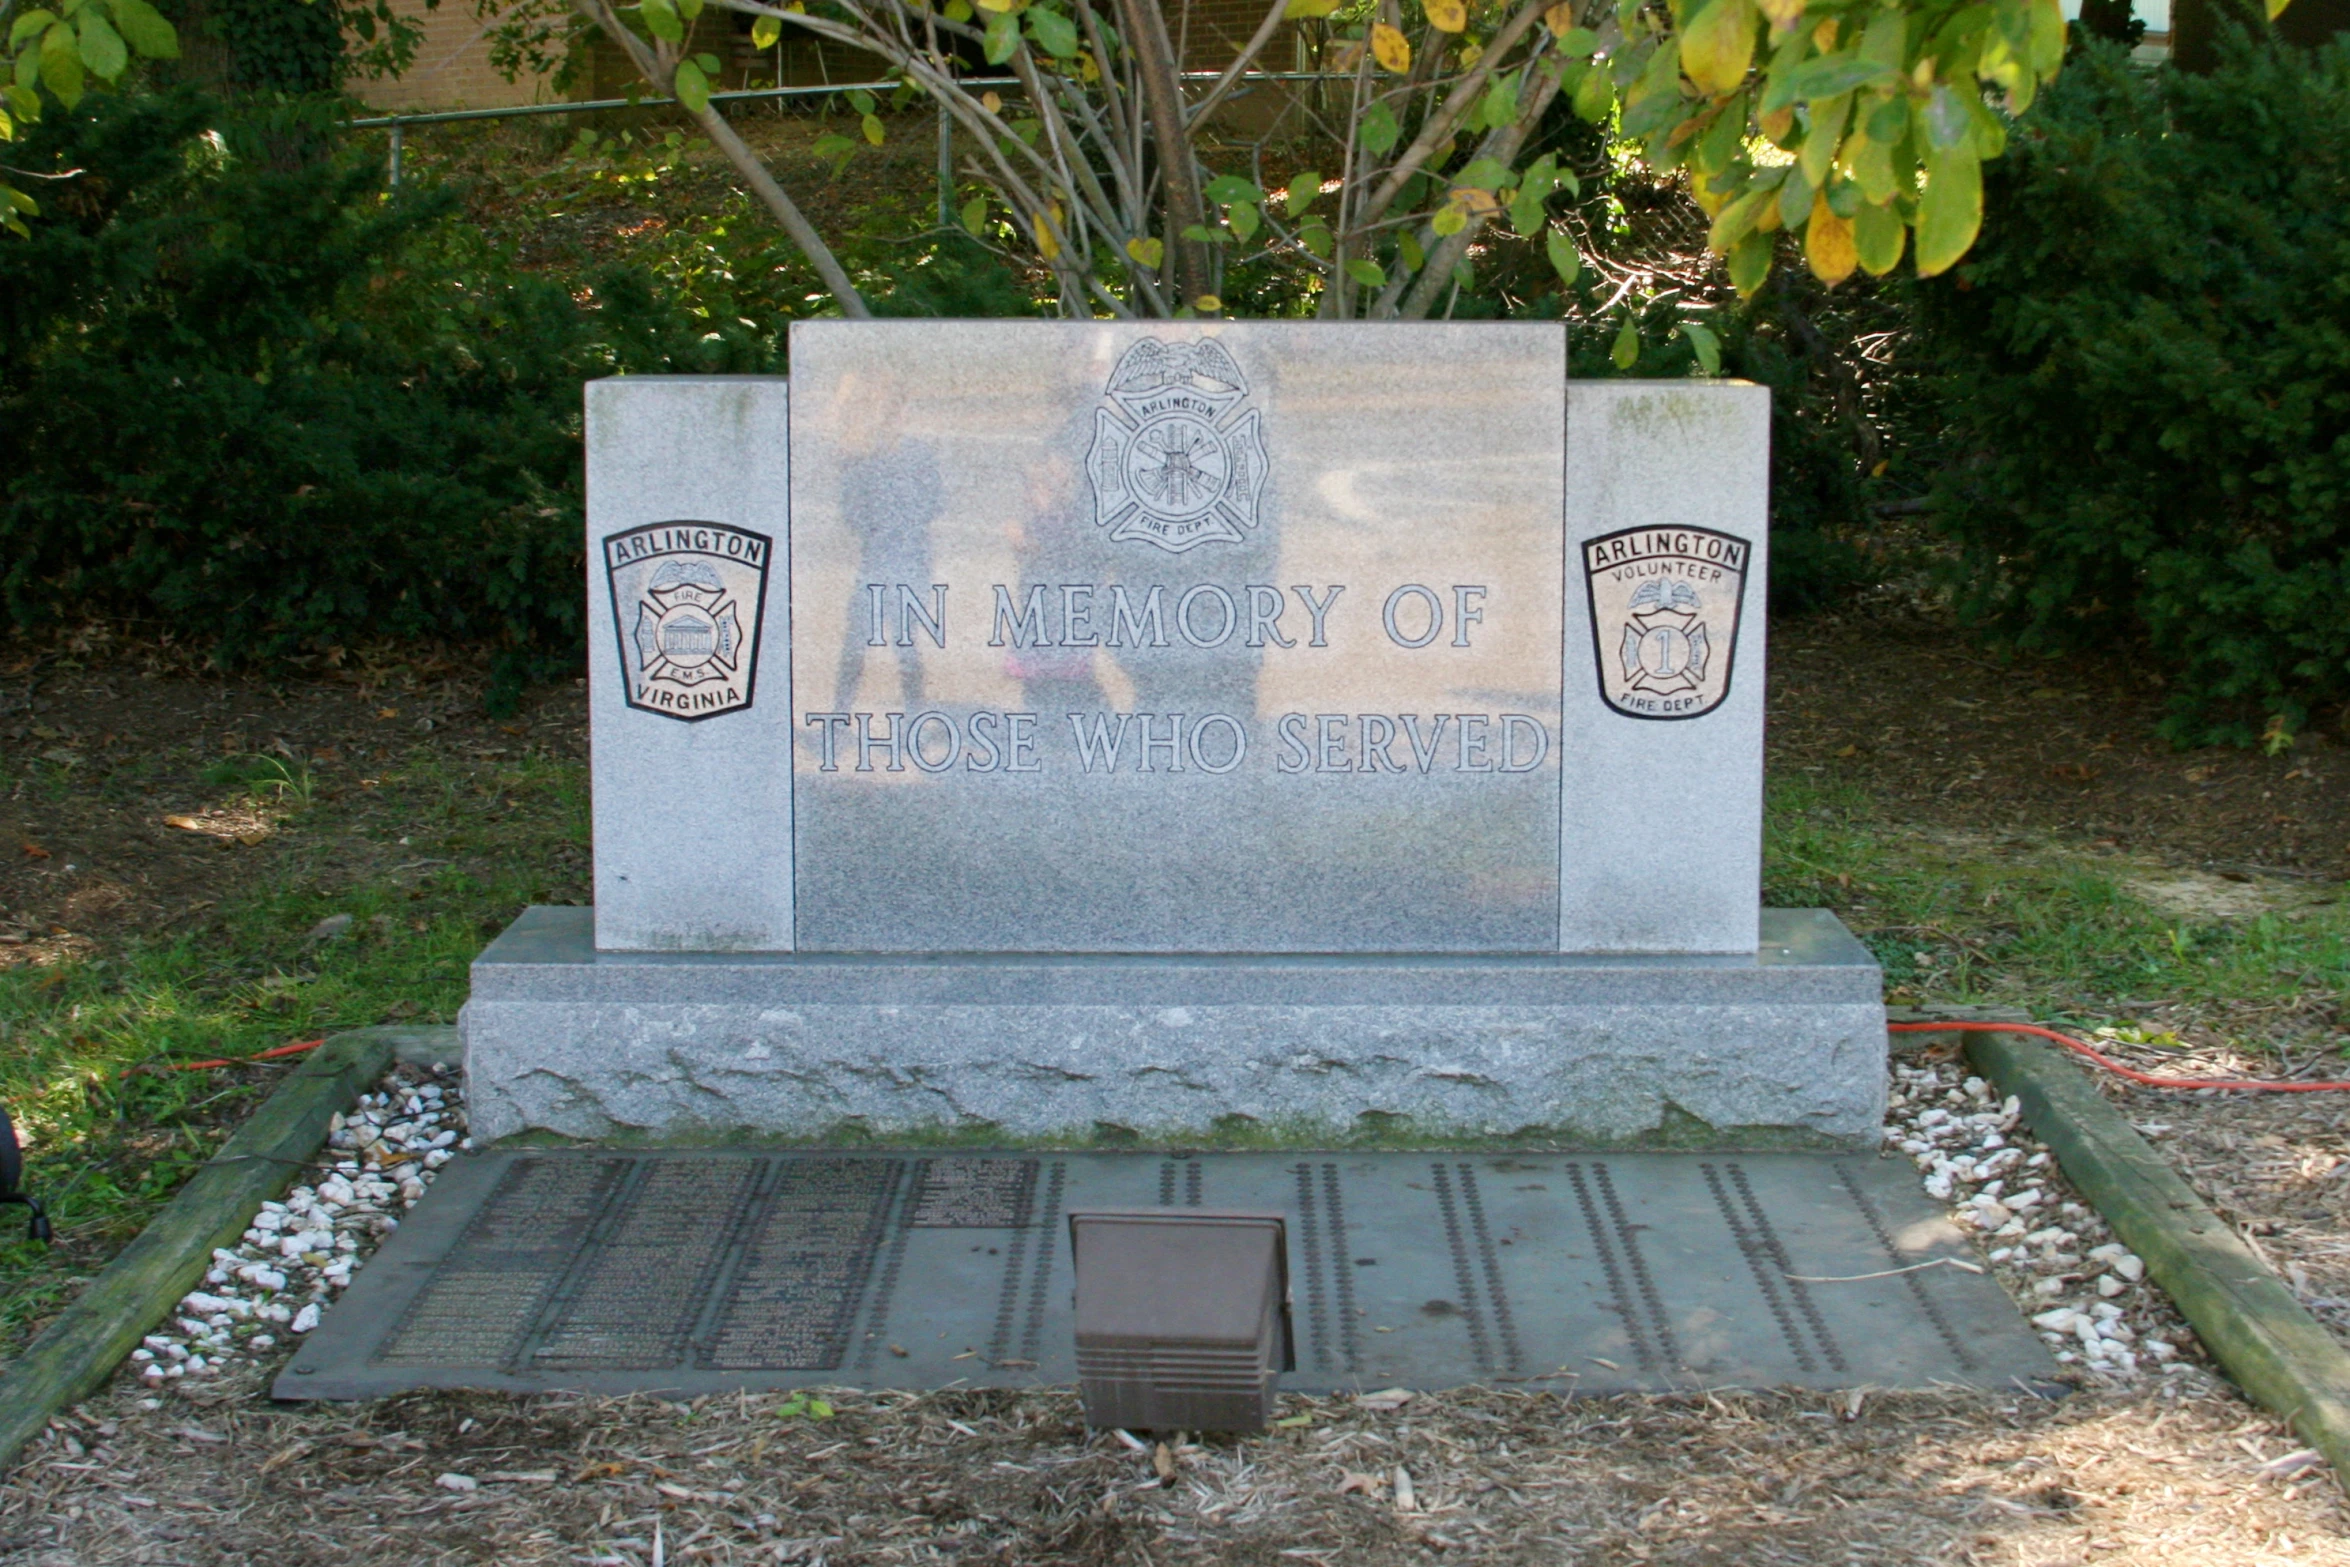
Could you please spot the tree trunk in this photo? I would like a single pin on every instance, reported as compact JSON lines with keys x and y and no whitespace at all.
{"x":1162,"y":92}
{"x":2196,"y":26}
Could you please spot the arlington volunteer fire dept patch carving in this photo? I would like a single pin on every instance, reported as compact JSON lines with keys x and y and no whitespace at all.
{"x":1174,"y":462}
{"x":1664,"y":618}
{"x":688,"y":599}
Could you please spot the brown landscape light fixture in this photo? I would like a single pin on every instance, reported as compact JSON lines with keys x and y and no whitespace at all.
{"x":1182,"y":1317}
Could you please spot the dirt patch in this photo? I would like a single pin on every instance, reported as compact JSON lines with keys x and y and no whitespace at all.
{"x":141,"y":793}
{"x":1938,"y":735}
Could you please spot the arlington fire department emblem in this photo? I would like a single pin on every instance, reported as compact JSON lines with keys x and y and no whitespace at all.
{"x":687,"y":601}
{"x":1664,"y":618}
{"x":1175,"y":460}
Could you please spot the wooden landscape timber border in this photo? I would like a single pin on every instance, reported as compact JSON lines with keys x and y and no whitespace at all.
{"x":2252,"y":1323}
{"x":75,"y":1354}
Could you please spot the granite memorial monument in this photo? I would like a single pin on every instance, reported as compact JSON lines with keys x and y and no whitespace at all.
{"x":1127,"y":730}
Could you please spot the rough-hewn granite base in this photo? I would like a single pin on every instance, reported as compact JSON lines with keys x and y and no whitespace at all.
{"x":1786,"y":1049}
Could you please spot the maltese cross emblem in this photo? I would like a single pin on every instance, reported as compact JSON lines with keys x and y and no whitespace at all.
{"x":687,"y":600}
{"x":1176,"y":460}
{"x":1664,"y":618}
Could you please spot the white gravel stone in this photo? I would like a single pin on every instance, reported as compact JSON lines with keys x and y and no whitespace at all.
{"x":311,"y":1242}
{"x":1974,"y":1154}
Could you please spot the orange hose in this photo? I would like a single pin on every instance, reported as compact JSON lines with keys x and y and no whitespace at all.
{"x":271,"y":1054}
{"x":2232,"y":1085}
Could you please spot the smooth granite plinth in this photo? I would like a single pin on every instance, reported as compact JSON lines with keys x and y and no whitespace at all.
{"x":1177,"y":637}
{"x":689,"y":662}
{"x":1668,"y":488}
{"x":1786,"y":1048}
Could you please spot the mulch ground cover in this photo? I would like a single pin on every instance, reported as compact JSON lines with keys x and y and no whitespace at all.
{"x":1484,"y":1475}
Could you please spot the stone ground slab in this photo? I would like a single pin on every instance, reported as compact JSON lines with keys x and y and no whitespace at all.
{"x":609,"y":1271}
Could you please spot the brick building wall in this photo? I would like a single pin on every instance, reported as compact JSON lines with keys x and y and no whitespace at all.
{"x":452,"y":68}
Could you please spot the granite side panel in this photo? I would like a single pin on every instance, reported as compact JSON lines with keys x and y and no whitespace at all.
{"x":693,"y":819}
{"x":1661,"y":822}
{"x":1605,"y":1074}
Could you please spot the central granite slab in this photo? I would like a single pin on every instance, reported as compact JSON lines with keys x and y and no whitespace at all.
{"x":1118,"y":641}
{"x":603,"y":1271}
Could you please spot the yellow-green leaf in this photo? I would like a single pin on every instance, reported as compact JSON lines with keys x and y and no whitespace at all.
{"x":1150,"y":252}
{"x":1368,"y":273}
{"x":1708,"y":346}
{"x":1818,"y":154}
{"x":1626,"y":352}
{"x":1565,"y":259}
{"x":1827,"y":244}
{"x":1718,"y":147}
{"x":1450,"y":219}
{"x":1878,"y":237}
{"x":1717,"y":45}
{"x":61,"y":63}
{"x":1951,"y":211}
{"x":2047,"y":36}
{"x":693,"y":88}
{"x":1303,"y":191}
{"x":1750,"y":263}
{"x":1737,"y":220}
{"x":1595,"y":96}
{"x":1053,"y":32}
{"x":765,"y":31}
{"x":1307,"y":10}
{"x":28,"y":24}
{"x":1872,"y":164}
{"x":662,"y":22}
{"x":872,"y":129}
{"x":975,"y":216}
{"x":102,"y":48}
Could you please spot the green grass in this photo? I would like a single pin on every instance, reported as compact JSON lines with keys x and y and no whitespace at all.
{"x":87,"y":1042}
{"x":1958,"y":920}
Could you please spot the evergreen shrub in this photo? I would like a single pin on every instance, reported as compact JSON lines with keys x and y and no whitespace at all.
{"x":2145,"y":370}
{"x":271,"y":410}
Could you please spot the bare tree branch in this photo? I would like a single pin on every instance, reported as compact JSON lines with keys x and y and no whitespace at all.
{"x":1162,"y":88}
{"x":658,"y":66}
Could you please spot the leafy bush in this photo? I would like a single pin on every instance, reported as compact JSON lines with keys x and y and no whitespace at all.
{"x":2147,"y":370}
{"x":269,"y":409}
